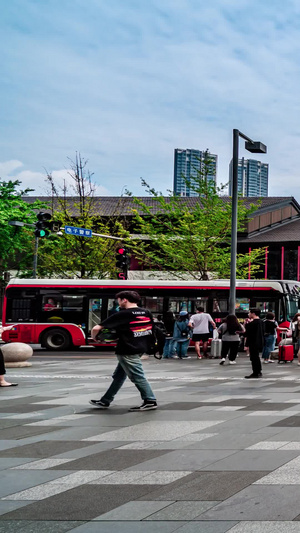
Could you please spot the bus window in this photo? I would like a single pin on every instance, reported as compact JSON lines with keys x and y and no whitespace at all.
{"x":154,"y":304}
{"x":265,"y":307}
{"x":112,"y":307}
{"x":49,"y":304}
{"x":180,"y":303}
{"x":20,"y":310}
{"x":220,"y":305}
{"x":292,"y":307}
{"x":95,"y":307}
{"x":242,"y":304}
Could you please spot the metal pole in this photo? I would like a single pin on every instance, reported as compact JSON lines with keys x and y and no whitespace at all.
{"x":36,"y":247}
{"x":234,"y":188}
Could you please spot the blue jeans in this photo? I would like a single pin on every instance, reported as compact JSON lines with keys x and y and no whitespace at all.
{"x":182,"y":348}
{"x":129,"y":366}
{"x":169,"y":348}
{"x":269,"y":346}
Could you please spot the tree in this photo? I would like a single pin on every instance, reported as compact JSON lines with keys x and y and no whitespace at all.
{"x":16,"y":243}
{"x":194,"y":242}
{"x":71,"y":256}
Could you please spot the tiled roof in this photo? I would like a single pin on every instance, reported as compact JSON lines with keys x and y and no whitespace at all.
{"x":123,"y":206}
{"x":286,"y":232}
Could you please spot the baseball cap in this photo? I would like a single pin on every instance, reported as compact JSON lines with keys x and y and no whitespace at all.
{"x":183,"y":313}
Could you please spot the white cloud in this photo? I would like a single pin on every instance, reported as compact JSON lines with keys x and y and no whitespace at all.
{"x":126,"y":83}
{"x":38,"y":182}
{"x":9,"y":166}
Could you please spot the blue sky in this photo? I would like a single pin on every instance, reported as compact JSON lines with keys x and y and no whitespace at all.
{"x":124,"y":82}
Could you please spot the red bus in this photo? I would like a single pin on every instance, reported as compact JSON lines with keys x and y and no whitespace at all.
{"x":60,"y":313}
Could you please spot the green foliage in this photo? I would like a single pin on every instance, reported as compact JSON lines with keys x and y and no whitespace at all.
{"x":195,"y":241}
{"x":71,"y":256}
{"x":16,"y":243}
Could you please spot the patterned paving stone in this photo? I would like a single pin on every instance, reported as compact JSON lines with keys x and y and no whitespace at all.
{"x":114,"y":459}
{"x":206,"y":527}
{"x":24,"y":408}
{"x":209,"y":486}
{"x":156,"y":430}
{"x":293,"y":421}
{"x":43,"y":449}
{"x":82,"y":503}
{"x":20,"y":432}
{"x":134,"y":510}
{"x":128,"y":527}
{"x":29,"y":526}
{"x":265,"y":406}
{"x":266,"y":527}
{"x":253,"y":460}
{"x":180,"y":406}
{"x":183,"y":510}
{"x":258,"y":503}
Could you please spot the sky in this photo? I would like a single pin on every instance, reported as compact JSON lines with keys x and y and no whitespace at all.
{"x":125,"y":82}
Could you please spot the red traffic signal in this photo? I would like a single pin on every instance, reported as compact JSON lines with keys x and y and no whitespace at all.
{"x":121,"y":259}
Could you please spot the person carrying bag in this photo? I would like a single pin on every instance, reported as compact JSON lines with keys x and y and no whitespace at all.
{"x":181,"y":335}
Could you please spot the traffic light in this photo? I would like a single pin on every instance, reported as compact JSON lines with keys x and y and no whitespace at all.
{"x":43,"y":225}
{"x":122,"y":263}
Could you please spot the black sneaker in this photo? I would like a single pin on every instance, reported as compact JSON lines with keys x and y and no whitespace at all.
{"x":99,"y":403}
{"x":254,"y":376}
{"x":147,"y":405}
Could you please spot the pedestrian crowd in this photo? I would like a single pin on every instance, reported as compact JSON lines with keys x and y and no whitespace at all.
{"x":138,"y":333}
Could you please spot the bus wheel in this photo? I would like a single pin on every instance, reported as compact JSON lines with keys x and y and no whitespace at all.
{"x":56,"y":339}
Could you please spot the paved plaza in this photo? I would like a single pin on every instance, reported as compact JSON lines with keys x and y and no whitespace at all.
{"x":220,"y":454}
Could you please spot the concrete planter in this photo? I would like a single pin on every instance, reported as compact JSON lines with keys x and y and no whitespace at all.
{"x":16,"y":354}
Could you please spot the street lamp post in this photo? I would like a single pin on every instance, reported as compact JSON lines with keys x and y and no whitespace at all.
{"x":255,"y":147}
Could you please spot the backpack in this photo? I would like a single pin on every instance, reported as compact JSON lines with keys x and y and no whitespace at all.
{"x":156,"y":342}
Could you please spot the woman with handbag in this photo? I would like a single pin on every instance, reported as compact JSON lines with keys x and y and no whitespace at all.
{"x":230,"y":330}
{"x":181,"y":335}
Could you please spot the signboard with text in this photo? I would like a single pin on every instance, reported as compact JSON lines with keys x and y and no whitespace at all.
{"x":80,"y":232}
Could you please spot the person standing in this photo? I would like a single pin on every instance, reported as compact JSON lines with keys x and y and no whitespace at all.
{"x":181,"y":335}
{"x":3,"y":382}
{"x":169,"y":347}
{"x":255,"y":341}
{"x":230,"y":331}
{"x":296,"y":334}
{"x":200,"y":325}
{"x":270,"y":327}
{"x":133,"y":325}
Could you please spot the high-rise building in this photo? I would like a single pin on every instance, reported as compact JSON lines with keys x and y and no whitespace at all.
{"x":252,"y":177}
{"x":190,"y":164}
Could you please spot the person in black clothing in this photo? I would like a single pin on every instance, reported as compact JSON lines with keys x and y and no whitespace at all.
{"x":255,"y":342}
{"x":134,"y":329}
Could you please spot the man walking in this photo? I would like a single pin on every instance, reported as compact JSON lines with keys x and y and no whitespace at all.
{"x":255,"y":342}
{"x":200,"y":324}
{"x":134,"y":329}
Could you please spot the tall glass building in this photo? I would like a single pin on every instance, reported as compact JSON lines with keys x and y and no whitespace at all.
{"x":253,"y":177}
{"x":187,"y":164}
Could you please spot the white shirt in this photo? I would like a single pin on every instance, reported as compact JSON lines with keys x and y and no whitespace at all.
{"x":200,"y":322}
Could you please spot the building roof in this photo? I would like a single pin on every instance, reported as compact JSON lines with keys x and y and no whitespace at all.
{"x":288,"y":231}
{"x":105,"y":206}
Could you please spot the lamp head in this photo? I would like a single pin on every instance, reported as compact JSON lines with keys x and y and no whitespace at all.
{"x":256,"y":147}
